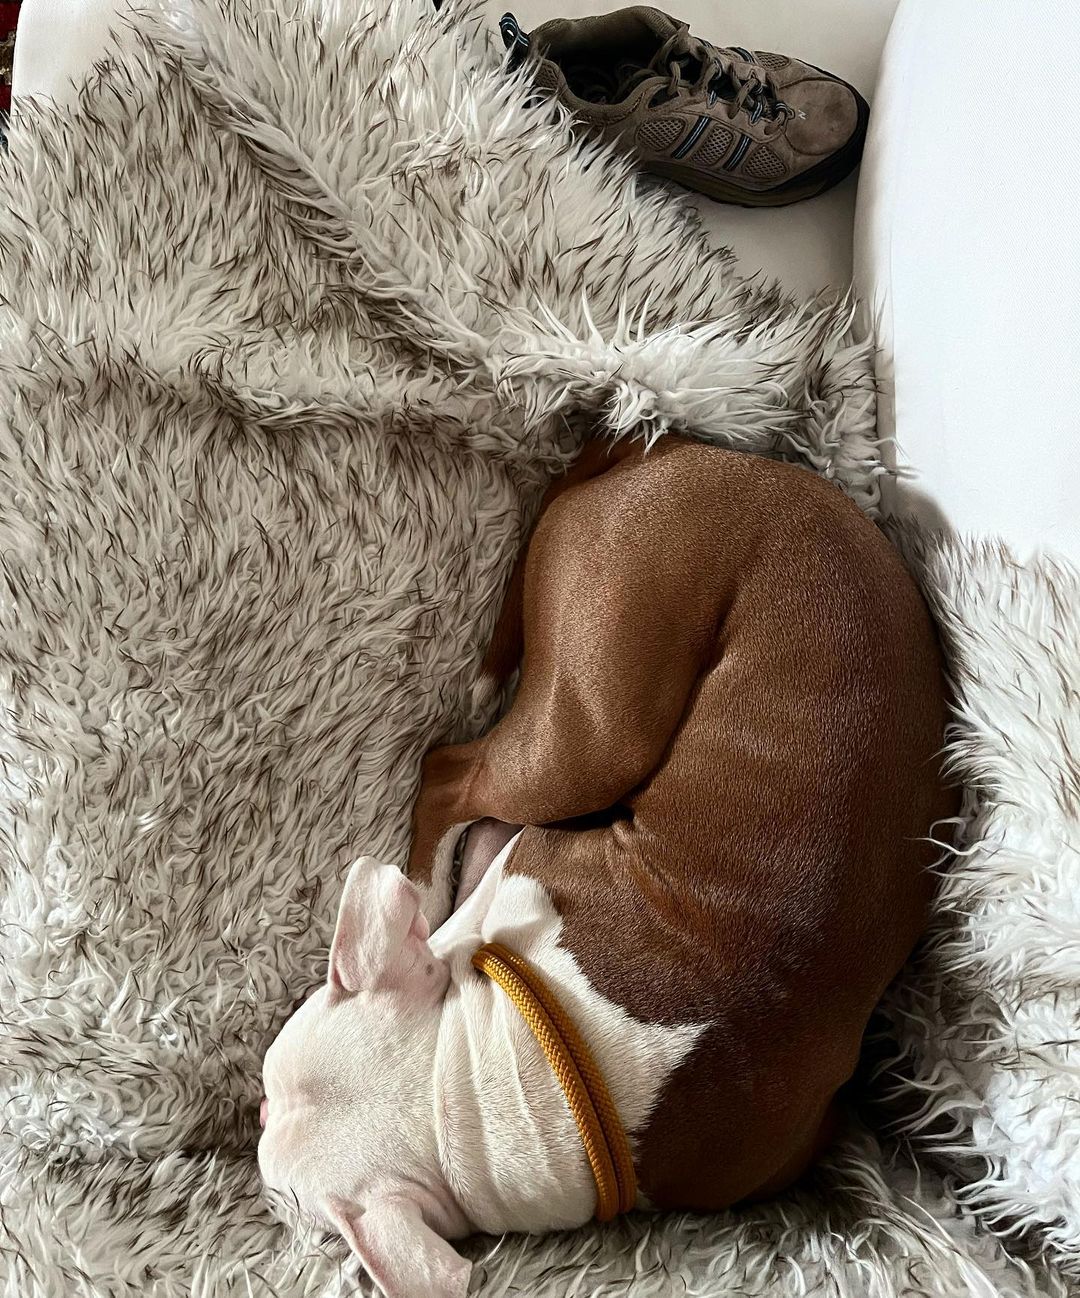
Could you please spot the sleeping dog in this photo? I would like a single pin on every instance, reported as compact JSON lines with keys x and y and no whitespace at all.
{"x":723,"y":749}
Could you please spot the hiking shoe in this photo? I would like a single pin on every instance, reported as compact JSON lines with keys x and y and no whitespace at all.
{"x":745,"y":127}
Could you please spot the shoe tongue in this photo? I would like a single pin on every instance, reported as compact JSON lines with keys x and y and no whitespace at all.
{"x":628,"y":76}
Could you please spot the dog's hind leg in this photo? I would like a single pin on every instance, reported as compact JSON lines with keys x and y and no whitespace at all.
{"x":618,"y":617}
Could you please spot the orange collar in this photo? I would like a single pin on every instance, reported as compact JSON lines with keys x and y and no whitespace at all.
{"x":602,"y":1133}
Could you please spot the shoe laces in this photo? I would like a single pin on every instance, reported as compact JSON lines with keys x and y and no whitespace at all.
{"x":744,"y":85}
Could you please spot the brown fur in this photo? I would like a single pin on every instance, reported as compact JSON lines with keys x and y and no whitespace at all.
{"x":724,"y":743}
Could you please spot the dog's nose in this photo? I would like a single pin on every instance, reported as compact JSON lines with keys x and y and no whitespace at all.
{"x":264,"y":1110}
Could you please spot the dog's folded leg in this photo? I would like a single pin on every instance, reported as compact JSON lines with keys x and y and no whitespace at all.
{"x":604,"y":681}
{"x":617,"y":622}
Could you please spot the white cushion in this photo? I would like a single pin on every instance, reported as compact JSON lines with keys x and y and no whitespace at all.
{"x":966,"y":247}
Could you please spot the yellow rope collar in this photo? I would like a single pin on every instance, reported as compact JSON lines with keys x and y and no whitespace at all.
{"x":602,"y":1134}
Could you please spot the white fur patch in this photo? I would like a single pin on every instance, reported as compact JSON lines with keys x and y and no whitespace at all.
{"x":501,"y":1096}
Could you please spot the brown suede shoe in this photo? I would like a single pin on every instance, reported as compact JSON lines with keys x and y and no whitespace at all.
{"x":752,"y":128}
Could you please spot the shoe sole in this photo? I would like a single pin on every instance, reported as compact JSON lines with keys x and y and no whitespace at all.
{"x":820,"y":178}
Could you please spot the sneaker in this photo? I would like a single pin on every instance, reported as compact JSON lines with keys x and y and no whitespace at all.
{"x":752,"y":128}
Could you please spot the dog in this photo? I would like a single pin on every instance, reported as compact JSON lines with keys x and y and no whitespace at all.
{"x":705,"y":820}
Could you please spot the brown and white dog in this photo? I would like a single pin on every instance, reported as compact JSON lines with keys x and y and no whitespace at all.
{"x":724,"y":748}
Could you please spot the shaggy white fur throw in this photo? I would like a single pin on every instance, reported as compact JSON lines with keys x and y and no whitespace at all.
{"x":989,"y":1016}
{"x":299,"y":309}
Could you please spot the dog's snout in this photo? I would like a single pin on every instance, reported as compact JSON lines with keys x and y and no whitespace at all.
{"x":264,"y":1112}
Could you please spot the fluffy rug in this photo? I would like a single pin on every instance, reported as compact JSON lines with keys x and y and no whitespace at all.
{"x":300,"y":307}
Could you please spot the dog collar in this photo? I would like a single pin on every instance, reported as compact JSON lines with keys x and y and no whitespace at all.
{"x":598,"y":1123}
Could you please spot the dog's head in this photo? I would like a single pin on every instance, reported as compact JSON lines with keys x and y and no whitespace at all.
{"x":348,"y":1130}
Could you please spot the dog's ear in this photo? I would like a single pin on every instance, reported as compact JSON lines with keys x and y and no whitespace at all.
{"x":381,"y":938}
{"x":403,"y":1255}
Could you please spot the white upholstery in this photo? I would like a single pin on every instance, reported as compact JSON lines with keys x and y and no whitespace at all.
{"x":966,"y":246}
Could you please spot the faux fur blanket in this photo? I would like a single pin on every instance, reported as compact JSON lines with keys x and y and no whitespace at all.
{"x":299,"y":309}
